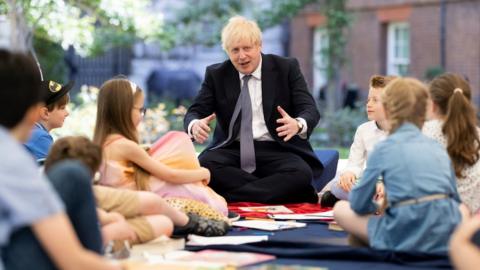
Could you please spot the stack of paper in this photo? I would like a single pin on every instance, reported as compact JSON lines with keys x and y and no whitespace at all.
{"x":266,"y":209}
{"x":205,"y":259}
{"x":319,"y":216}
{"x":160,"y":245}
{"x":268,"y":225}
{"x":227,"y":258}
{"x":196,"y":240}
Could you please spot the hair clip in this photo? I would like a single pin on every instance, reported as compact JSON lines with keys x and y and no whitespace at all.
{"x":459,"y":90}
{"x":134,"y":86}
{"x":54,"y":86}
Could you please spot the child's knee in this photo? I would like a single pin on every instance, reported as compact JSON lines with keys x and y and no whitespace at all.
{"x":340,"y":210}
{"x":151,"y":203}
{"x":161,"y":225}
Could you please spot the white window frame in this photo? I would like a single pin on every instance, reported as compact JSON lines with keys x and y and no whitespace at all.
{"x":320,"y":61}
{"x":398,"y":48}
{"x":5,"y":32}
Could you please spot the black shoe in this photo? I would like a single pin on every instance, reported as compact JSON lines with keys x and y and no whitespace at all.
{"x":233,"y":216}
{"x":201,"y":226}
{"x":328,"y":199}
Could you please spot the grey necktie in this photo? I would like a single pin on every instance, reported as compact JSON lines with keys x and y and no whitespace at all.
{"x":247,"y":151}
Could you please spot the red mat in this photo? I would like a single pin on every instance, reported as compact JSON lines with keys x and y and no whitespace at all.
{"x":297,"y":208}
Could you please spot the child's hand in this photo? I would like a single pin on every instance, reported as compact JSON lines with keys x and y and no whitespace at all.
{"x":380,"y":198}
{"x":465,"y":230}
{"x":380,"y":191}
{"x":111,"y":217}
{"x":347,"y":181}
{"x":205,"y":172}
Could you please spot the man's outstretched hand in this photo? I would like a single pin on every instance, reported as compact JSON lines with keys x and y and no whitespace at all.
{"x":201,"y":129}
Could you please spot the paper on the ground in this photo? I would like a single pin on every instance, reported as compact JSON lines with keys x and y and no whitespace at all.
{"x":159,"y":245}
{"x":268,"y":225}
{"x":325,"y":216}
{"x":266,"y":209}
{"x":227,"y":258}
{"x":196,"y":240}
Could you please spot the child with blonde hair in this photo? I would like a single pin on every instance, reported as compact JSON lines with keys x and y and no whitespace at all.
{"x":366,"y":137}
{"x":170,"y":168}
{"x":423,"y":202}
{"x":454,"y":125}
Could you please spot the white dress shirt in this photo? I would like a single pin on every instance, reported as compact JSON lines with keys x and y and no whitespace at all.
{"x":366,"y":137}
{"x":259,"y":127}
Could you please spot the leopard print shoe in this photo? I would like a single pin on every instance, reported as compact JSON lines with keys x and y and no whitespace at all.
{"x":201,"y":226}
{"x":196,"y":207}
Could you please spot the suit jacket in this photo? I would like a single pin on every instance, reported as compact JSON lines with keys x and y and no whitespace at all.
{"x":282,"y":85}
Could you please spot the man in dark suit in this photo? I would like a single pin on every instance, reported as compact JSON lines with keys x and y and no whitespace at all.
{"x":265,"y":114}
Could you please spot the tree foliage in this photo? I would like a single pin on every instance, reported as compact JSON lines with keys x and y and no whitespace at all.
{"x":46,"y":28}
{"x":201,"y":21}
{"x":90,"y":26}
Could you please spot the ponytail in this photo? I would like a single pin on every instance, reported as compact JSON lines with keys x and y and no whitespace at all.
{"x":460,"y":128}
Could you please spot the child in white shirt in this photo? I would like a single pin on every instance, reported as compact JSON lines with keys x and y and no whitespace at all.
{"x":366,"y":137}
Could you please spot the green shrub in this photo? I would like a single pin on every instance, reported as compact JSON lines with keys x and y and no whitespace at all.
{"x":337,"y":129}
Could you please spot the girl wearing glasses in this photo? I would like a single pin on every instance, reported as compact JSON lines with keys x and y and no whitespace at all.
{"x":169,"y":168}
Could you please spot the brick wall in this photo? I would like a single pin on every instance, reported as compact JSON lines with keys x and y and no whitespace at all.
{"x":301,"y":46}
{"x":424,"y":39}
{"x":366,"y":48}
{"x":463,"y":42}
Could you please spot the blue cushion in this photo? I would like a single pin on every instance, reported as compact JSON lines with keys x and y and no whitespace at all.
{"x":329,"y":159}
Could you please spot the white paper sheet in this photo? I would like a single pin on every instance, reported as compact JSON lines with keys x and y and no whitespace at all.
{"x":196,"y":240}
{"x":267,"y":225}
{"x":326,"y":216}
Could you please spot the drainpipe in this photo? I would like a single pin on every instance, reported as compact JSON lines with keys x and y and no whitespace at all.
{"x":443,"y":22}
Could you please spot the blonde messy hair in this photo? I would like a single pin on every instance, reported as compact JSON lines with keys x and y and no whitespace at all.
{"x":405,"y":100}
{"x":238,"y":29}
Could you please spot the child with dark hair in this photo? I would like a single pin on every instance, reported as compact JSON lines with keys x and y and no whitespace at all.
{"x":33,"y":221}
{"x":454,"y":125}
{"x":52,"y":116}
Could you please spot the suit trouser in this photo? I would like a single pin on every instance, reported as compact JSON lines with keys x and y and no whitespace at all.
{"x":280,"y":176}
{"x":73,"y":184}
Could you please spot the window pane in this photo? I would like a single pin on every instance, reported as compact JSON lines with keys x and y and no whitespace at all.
{"x":398,"y":42}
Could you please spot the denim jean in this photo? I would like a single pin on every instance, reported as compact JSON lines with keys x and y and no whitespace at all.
{"x":72,"y":182}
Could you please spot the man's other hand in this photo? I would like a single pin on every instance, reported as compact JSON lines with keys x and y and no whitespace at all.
{"x":288,"y":125}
